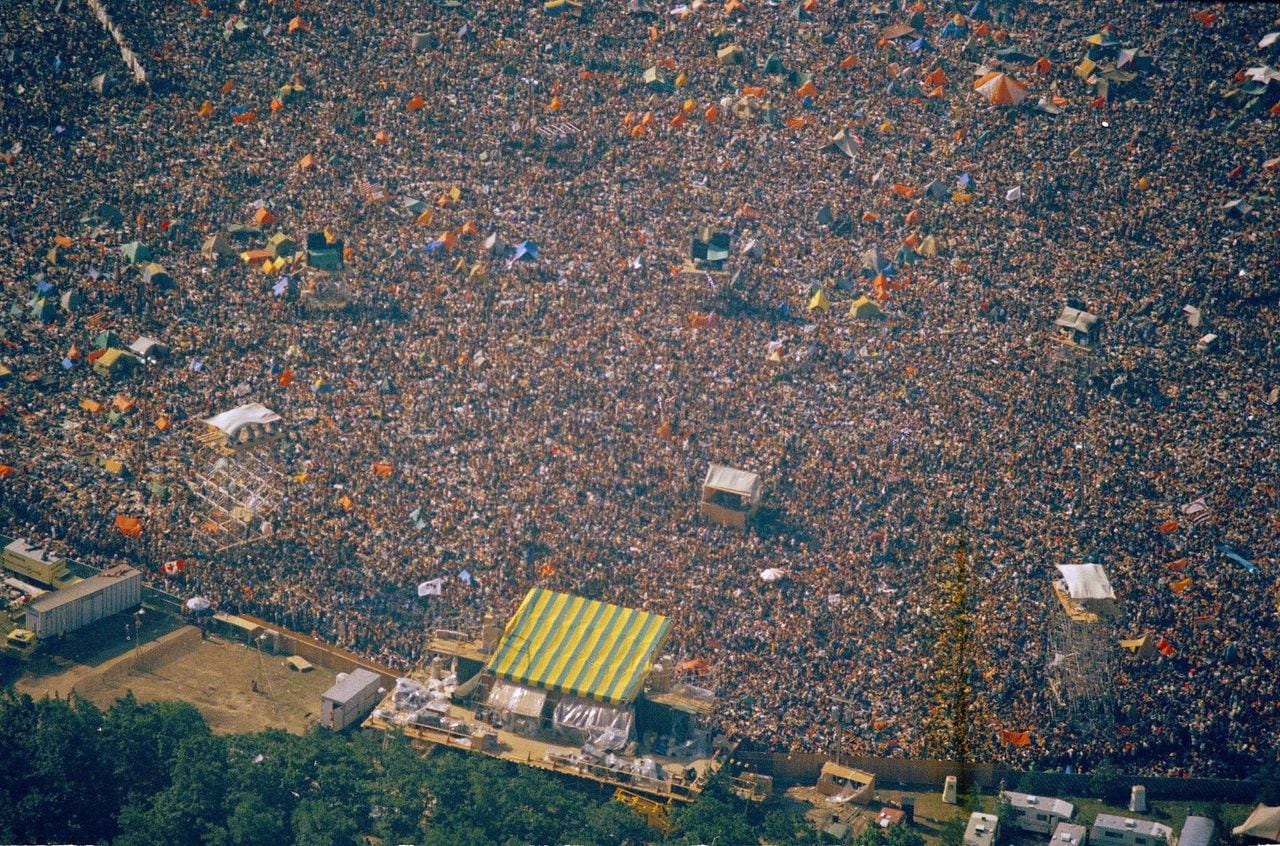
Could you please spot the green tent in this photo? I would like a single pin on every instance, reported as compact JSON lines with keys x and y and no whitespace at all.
{"x":135,"y":252}
{"x":43,"y":309}
{"x":773,"y":64}
{"x":244,"y":231}
{"x":107,"y":339}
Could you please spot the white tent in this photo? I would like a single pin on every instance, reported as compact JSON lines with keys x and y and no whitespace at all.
{"x":1263,"y":823}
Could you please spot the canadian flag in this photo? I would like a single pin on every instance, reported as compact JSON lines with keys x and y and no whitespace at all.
{"x":174,"y":567}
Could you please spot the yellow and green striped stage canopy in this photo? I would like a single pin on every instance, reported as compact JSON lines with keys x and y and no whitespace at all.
{"x":579,"y":646}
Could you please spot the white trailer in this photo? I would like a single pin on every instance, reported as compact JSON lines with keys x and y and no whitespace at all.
{"x":352,"y":696}
{"x":86,"y":602}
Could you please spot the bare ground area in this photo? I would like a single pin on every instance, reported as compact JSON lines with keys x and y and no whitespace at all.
{"x":217,"y":676}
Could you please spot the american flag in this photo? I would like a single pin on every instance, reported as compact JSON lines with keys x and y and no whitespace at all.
{"x":1197,"y":512}
{"x":371,"y":193}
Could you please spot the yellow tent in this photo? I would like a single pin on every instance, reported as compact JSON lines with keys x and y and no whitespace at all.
{"x":819,"y":300}
{"x":865,"y":308}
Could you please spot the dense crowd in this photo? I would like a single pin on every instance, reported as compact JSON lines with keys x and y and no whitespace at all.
{"x":552,"y":419}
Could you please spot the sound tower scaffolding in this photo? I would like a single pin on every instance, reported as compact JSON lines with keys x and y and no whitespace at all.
{"x":1081,"y":642}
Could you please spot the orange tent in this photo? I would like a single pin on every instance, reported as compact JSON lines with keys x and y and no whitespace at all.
{"x":936,"y":77}
{"x":297,"y":23}
{"x":469,"y":228}
{"x":62,"y":241}
{"x":130,"y":527}
{"x":345,"y":502}
{"x":122,"y":404}
{"x":1001,"y":89}
{"x":276,"y":105}
{"x":679,"y":120}
{"x":688,"y":106}
{"x":711,"y":115}
{"x":448,"y":239}
{"x":382,"y":468}
{"x":913,"y":218}
{"x":416,"y":103}
{"x":870,"y":217}
{"x":556,"y":104}
{"x":424,"y":219}
{"x":912,"y":241}
{"x":307,"y":162}
{"x":849,"y":62}
{"x":245,"y":117}
{"x":5,"y":471}
{"x":206,"y":109}
{"x":646,"y":119}
{"x":697,"y":665}
{"x":227,"y":87}
{"x":982,"y":29}
{"x":286,"y":378}
{"x":638,"y":130}
{"x":1168,"y":527}
{"x":1060,"y":102}
{"x":682,"y":80}
{"x":1042,"y":66}
{"x":263,"y":217}
{"x":163,"y":423}
{"x":906,"y":192}
{"x":381,"y":137}
{"x":796,"y":123}
{"x":807,"y":90}
{"x":753,"y":91}
{"x":732,"y":6}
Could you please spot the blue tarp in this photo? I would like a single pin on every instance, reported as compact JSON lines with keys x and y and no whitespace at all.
{"x":952,"y":31}
{"x":918,"y":45}
{"x":526,"y":249}
{"x":1238,"y":558}
{"x":67,"y":364}
{"x":979,"y":11}
{"x":281,"y":286}
{"x":965,"y":180}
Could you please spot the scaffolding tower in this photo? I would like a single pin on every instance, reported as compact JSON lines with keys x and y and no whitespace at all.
{"x":1081,"y":639}
{"x":233,"y":484}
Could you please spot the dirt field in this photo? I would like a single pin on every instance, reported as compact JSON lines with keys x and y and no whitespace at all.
{"x":215,"y":675}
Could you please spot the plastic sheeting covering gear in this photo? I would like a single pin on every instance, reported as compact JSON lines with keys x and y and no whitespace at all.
{"x":516,"y":699}
{"x":602,"y":726}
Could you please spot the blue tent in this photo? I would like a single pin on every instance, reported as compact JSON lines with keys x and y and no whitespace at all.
{"x":965,"y":180}
{"x":979,"y":11}
{"x":920,"y":44}
{"x":952,"y":30}
{"x":525,"y":250}
{"x":281,"y":286}
{"x":434,"y":246}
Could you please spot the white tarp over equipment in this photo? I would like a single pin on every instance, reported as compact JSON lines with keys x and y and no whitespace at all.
{"x":1263,"y":823}
{"x":231,"y":422}
{"x":516,"y":699}
{"x":1087,"y":582}
{"x":741,"y":482}
{"x":603,"y":726}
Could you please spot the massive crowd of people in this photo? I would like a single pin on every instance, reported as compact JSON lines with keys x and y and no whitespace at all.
{"x":549,"y":421}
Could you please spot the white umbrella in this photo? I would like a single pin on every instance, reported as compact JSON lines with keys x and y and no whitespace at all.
{"x":772,"y":574}
{"x":198,"y":603}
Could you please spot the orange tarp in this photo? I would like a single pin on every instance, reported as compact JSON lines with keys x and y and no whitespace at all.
{"x":122,"y":404}
{"x":130,"y":527}
{"x":904,"y":191}
{"x":1016,"y":738}
{"x":1168,"y":527}
{"x":912,"y":240}
{"x":424,"y":219}
{"x":807,"y":90}
{"x":263,"y":217}
{"x":711,"y":115}
{"x":469,"y":228}
{"x":1181,"y":584}
{"x":206,"y":109}
{"x":848,"y":62}
{"x":62,"y":241}
{"x":382,"y":468}
{"x":297,"y":24}
{"x":91,"y":406}
{"x":286,"y":378}
{"x":556,"y":104}
{"x":381,"y":137}
{"x":679,"y":120}
{"x":913,"y":219}
{"x":936,"y":77}
{"x":1042,"y":66}
{"x":163,"y":423}
{"x":5,"y":471}
{"x":416,"y":103}
{"x":346,"y":502}
{"x":306,"y":162}
{"x":796,"y":123}
{"x":753,"y":90}
{"x":246,"y":117}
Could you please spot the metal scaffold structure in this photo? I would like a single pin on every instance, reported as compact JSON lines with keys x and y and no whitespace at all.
{"x":1081,"y":635}
{"x":234,"y":487}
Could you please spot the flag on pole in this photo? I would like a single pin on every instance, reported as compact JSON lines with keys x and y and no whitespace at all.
{"x":433,"y":587}
{"x":174,"y":567}
{"x":465,"y":576}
